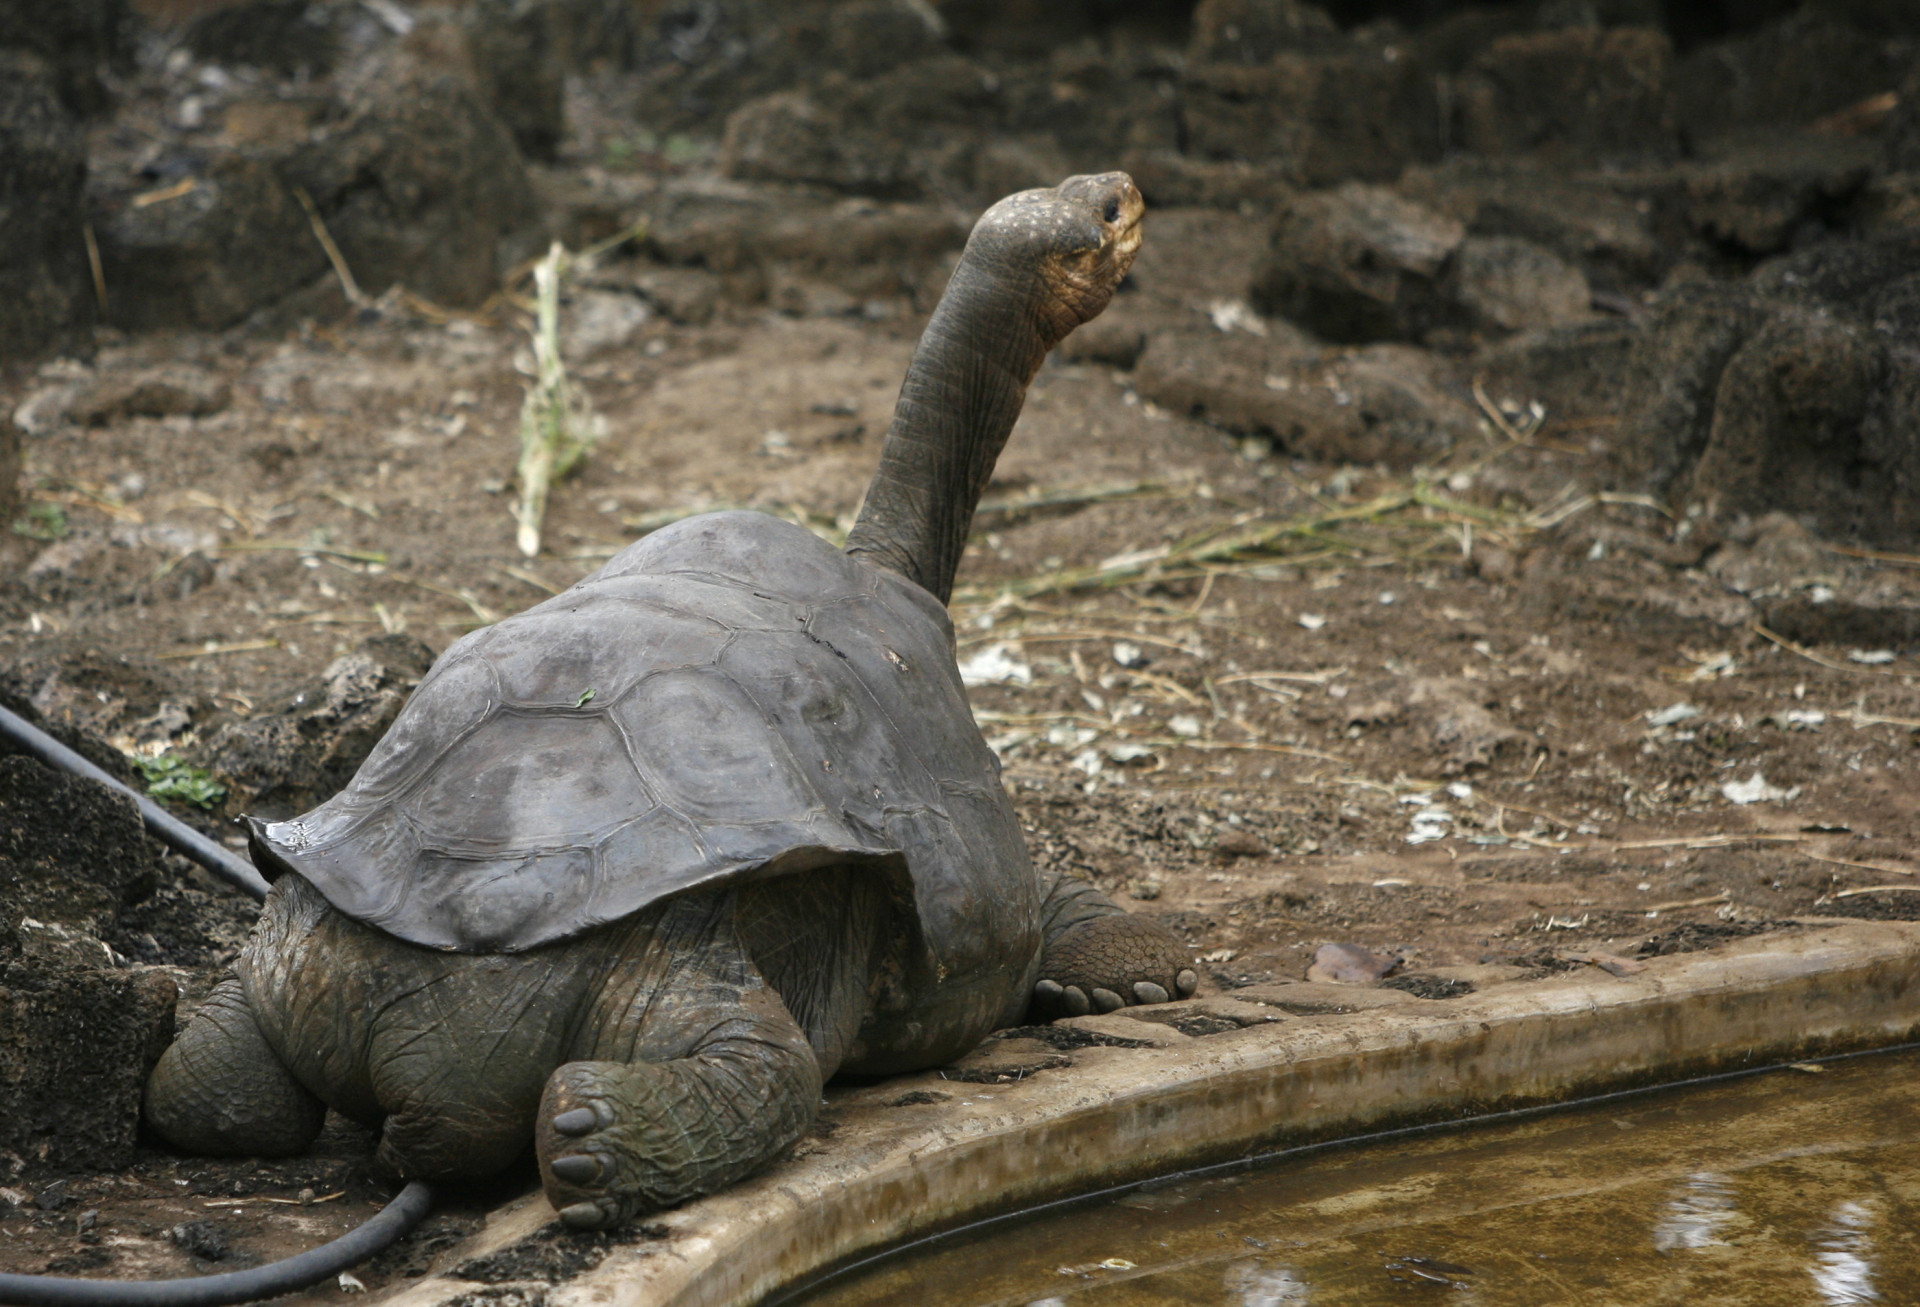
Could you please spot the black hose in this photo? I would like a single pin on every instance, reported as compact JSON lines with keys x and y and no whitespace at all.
{"x":297,"y":1272}
{"x":161,"y":824}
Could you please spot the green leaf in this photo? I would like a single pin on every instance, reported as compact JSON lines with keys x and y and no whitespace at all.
{"x":169,"y":777}
{"x":585,"y":699}
{"x":42,"y":522}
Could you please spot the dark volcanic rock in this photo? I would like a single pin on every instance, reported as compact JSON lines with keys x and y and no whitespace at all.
{"x":1603,"y":229}
{"x":1383,"y":404}
{"x":285,"y":762}
{"x":1364,"y":113}
{"x":1901,"y":141}
{"x":232,"y":241}
{"x":1167,"y":178}
{"x":865,"y":248}
{"x":702,"y":61}
{"x":1793,"y":71}
{"x":419,"y":182}
{"x":45,"y":284}
{"x":287,"y":36}
{"x":1798,"y":391}
{"x":72,"y":850}
{"x":1787,"y":426}
{"x":908,"y":133}
{"x":1357,"y":263}
{"x":75,"y":1049}
{"x":513,"y":49}
{"x":1254,"y":31}
{"x":1766,"y":198}
{"x":75,"y":1041}
{"x":78,"y":39}
{"x":795,"y":136}
{"x":1672,"y":375}
{"x":1506,"y":283}
{"x":1579,"y":92}
{"x":1573,"y":371}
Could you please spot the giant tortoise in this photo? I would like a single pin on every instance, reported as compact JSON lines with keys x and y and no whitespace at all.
{"x":639,"y":869}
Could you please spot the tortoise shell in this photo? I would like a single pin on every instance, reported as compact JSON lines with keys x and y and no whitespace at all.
{"x":730,"y":697}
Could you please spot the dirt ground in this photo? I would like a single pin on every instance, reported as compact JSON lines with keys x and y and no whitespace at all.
{"x":1383,"y":730}
{"x":1490,"y":710}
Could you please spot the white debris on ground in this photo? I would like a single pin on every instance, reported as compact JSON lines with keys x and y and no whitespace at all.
{"x":1671,"y":716}
{"x":1431,"y":822}
{"x":997,"y":664}
{"x":1757,"y":789}
{"x":1236,"y":315}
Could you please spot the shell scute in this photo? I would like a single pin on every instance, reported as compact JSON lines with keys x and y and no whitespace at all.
{"x":452,"y":699}
{"x":566,"y":778}
{"x":709,"y":752}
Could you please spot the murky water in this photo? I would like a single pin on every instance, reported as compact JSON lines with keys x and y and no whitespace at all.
{"x":1795,"y":1187}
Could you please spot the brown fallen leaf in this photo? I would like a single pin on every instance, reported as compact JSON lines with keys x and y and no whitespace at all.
{"x":1350,"y":964}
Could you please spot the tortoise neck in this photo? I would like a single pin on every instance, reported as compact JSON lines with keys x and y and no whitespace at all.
{"x":963,"y":392}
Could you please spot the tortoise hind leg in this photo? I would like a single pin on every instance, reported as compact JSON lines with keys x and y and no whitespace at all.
{"x":221,"y":1090}
{"x":1098,"y":957}
{"x":691,"y":1075}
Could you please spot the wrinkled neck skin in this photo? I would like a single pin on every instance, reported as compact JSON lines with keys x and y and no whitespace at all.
{"x":963,"y":392}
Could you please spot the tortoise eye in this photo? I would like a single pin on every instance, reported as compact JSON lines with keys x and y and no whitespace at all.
{"x":1113,"y":211}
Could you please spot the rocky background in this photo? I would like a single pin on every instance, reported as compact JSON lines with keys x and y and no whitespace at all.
{"x":1641,"y":278}
{"x":1693,"y":218}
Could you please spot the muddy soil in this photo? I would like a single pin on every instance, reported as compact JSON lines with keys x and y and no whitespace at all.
{"x":1488,"y":703}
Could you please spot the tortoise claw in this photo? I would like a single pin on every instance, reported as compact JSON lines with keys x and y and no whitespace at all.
{"x":577,"y":1168}
{"x":1187,"y":982}
{"x":1108,"y":1001}
{"x":1048,"y":991}
{"x":1148,"y":992}
{"x":578,"y":1122}
{"x":583,"y":1216}
{"x":1078,"y":1004}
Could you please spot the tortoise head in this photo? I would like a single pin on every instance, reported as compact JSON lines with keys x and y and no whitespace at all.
{"x":1077,"y":240}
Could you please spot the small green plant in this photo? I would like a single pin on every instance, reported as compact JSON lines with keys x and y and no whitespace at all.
{"x":169,"y":777}
{"x":42,"y":522}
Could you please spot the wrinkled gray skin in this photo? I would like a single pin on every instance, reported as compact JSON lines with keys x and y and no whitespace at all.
{"x":655,"y":1054}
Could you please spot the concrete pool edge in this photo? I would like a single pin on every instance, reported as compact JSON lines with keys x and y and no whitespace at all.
{"x":921,"y":1153}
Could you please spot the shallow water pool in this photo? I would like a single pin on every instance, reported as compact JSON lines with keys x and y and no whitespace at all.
{"x":1793,"y":1187}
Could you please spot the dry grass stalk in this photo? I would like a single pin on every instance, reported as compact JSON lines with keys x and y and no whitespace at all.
{"x":555,"y":422}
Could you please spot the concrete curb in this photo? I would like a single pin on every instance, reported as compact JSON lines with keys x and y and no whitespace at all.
{"x":922,"y":1153}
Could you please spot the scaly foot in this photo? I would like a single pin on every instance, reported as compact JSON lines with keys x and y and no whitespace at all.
{"x":1110,"y":962}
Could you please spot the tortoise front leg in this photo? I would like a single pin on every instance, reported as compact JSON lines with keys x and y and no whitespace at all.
{"x":690,"y":1075}
{"x":1098,"y":957}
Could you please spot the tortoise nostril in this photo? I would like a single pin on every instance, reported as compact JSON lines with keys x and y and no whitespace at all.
{"x":1113,"y":211}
